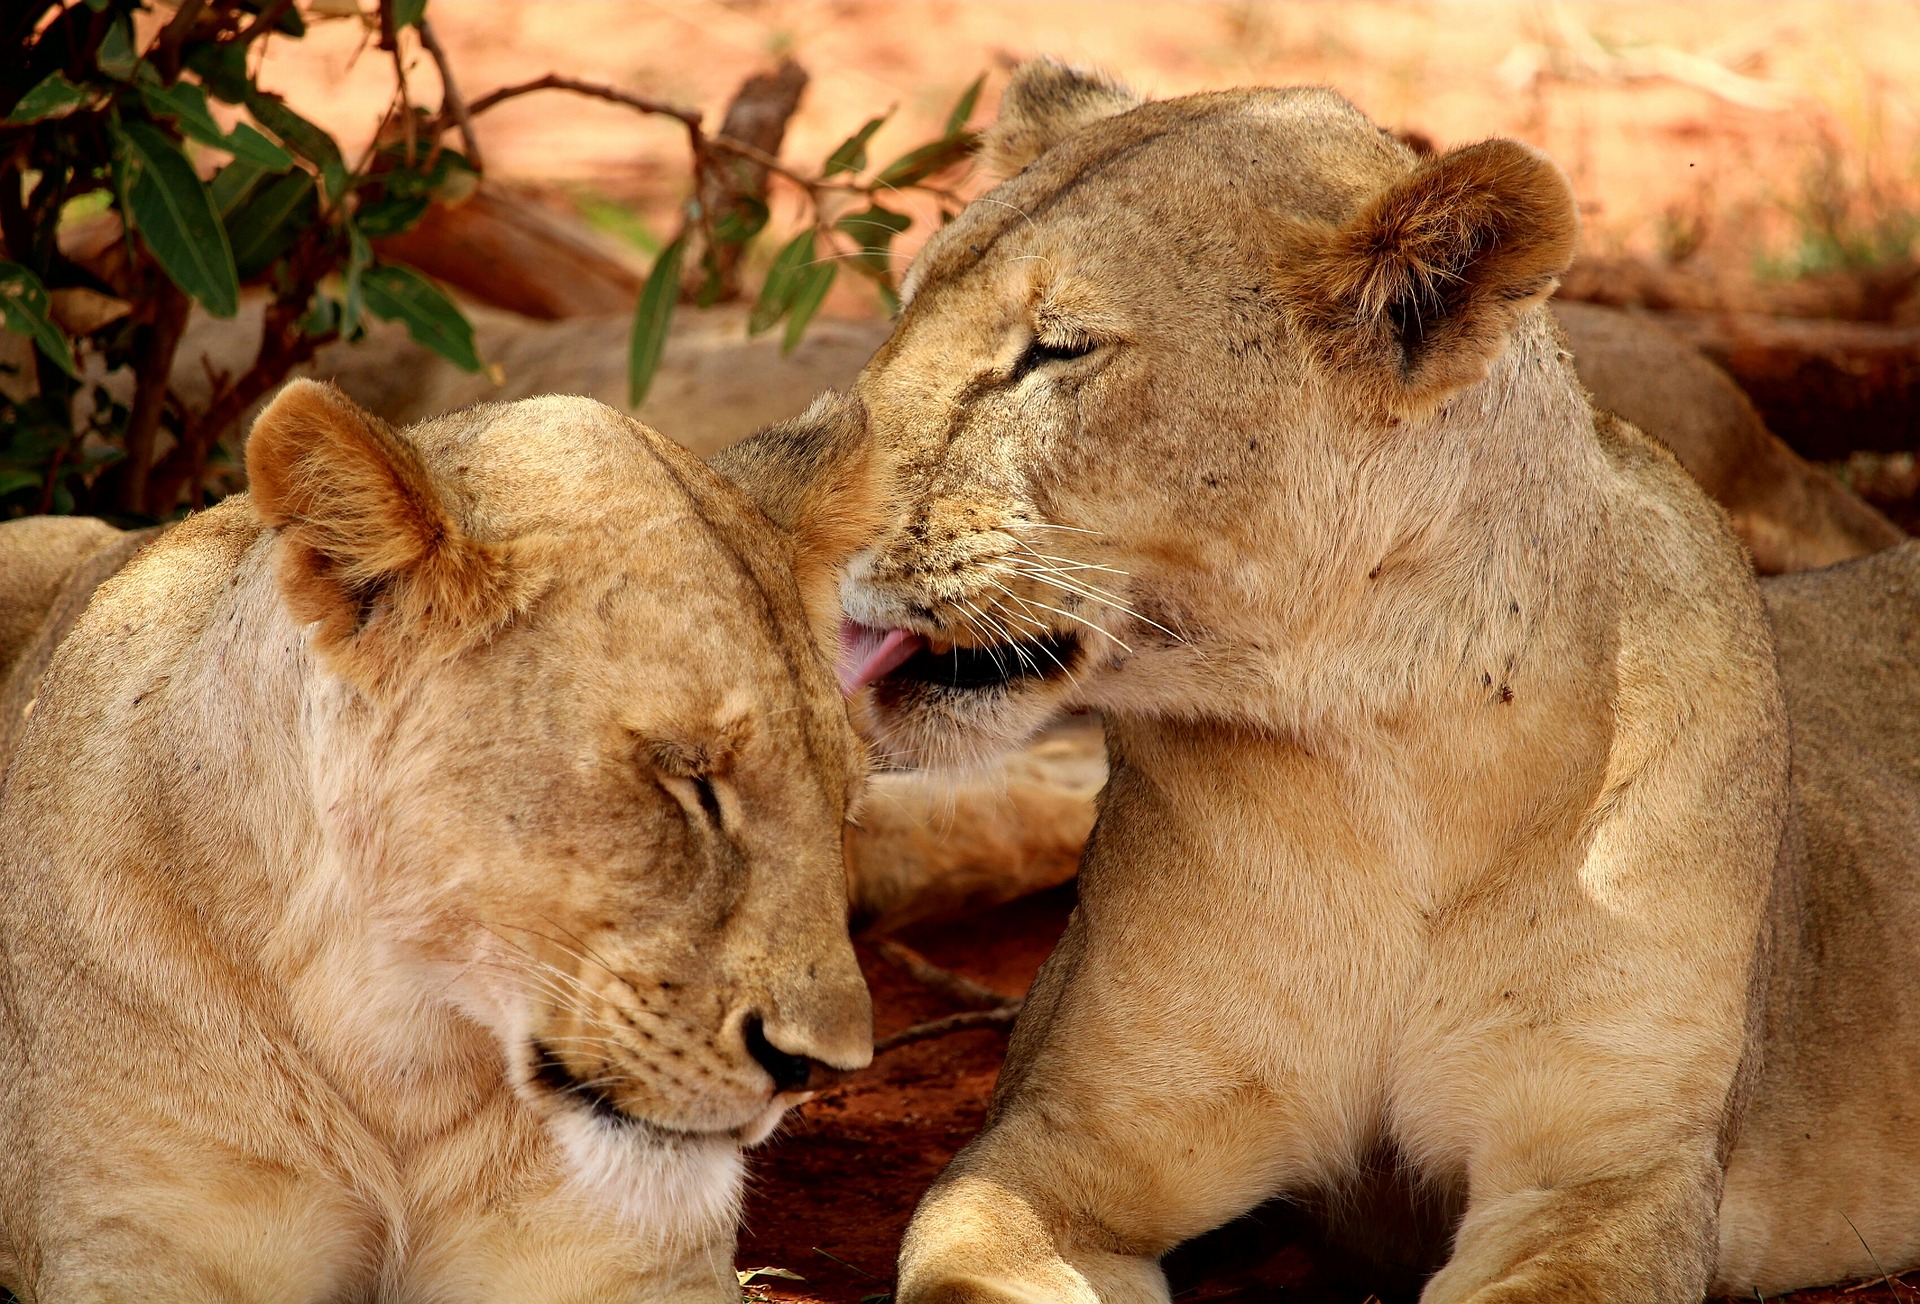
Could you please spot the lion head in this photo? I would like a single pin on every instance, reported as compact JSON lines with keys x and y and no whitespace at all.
{"x":1193,"y":395}
{"x":577,"y":752}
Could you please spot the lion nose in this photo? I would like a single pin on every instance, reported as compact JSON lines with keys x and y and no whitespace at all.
{"x":789,"y":1072}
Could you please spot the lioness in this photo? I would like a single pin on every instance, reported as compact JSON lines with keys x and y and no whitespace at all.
{"x":419,"y":880}
{"x":1449,"y":845}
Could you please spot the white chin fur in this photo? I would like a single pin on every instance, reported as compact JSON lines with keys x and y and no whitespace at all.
{"x":670,"y":1190}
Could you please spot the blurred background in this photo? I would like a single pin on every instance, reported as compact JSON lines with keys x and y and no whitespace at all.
{"x":1768,"y":139}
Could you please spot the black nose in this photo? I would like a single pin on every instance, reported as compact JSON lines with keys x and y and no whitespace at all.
{"x":789,"y":1072}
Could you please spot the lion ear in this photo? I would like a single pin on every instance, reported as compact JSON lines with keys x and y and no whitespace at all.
{"x":1413,"y":298}
{"x":816,"y":477}
{"x":369,"y":552}
{"x":1045,"y":102}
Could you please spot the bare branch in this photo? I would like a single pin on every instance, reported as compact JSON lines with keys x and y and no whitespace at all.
{"x":953,"y":1023}
{"x":166,"y":47}
{"x":452,"y":104}
{"x":552,"y":82}
{"x":958,"y":986}
{"x":268,"y":20}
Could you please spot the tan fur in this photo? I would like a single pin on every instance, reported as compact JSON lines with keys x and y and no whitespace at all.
{"x":1791,"y":514}
{"x":398,"y":869}
{"x":36,"y":556}
{"x":1449,"y":824}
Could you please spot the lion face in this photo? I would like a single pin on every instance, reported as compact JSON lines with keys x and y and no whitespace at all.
{"x":582,"y":762}
{"x":1178,"y":355}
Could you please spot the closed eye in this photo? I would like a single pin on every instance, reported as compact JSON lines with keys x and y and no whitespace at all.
{"x":1039,"y":353}
{"x":696,"y":795}
{"x":709,"y":800}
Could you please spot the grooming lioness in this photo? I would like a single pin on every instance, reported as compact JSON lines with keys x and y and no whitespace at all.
{"x":420,"y":880}
{"x":1449,"y":845}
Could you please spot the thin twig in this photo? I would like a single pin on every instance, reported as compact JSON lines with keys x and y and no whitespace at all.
{"x":451,"y":102}
{"x":966,"y":1019}
{"x":166,"y":49}
{"x":553,"y":82}
{"x":268,"y":20}
{"x":689,"y":118}
{"x":753,"y":153}
{"x":390,"y":42}
{"x":960,"y":987}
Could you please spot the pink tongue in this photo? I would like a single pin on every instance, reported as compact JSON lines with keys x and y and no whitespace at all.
{"x":867,"y":654}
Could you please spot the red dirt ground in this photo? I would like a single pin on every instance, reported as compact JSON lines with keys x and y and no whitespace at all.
{"x":832,"y":1195}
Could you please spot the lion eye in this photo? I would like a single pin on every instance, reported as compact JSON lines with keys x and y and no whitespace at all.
{"x":709,"y":800}
{"x":1039,"y":353}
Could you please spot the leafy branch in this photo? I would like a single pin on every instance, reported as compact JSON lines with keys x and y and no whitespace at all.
{"x":196,"y":182}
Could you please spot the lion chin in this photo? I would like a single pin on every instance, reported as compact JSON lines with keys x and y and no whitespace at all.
{"x":676,"y":1191}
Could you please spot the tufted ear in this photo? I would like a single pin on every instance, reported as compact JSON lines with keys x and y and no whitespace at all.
{"x":1413,"y":298}
{"x":1045,"y":102}
{"x":368,"y":550}
{"x":816,"y":476}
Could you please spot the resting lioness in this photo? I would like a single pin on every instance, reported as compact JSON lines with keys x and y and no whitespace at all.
{"x":1449,"y":844}
{"x":420,"y":880}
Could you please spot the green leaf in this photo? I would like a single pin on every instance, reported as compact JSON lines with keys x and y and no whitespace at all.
{"x":232,"y":184}
{"x":54,"y":97}
{"x":223,"y":69}
{"x":917,"y":165}
{"x":170,"y":207}
{"x":875,"y":229}
{"x":247,"y":143}
{"x":809,"y":292}
{"x":15,"y":481}
{"x":851,"y":156}
{"x":651,"y":319}
{"x":776,"y":293}
{"x":359,"y":258}
{"x":401,"y":294}
{"x":744,"y":219}
{"x":115,"y":56}
{"x":957,"y":120}
{"x":323,"y":318}
{"x":710,"y":285}
{"x":27,"y":310}
{"x":186,"y":104}
{"x":268,"y":223}
{"x":390,"y":215}
{"x":302,"y":137}
{"x":407,"y":13}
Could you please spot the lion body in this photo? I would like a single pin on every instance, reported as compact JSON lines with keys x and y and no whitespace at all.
{"x":365,"y":936}
{"x":1450,"y":823}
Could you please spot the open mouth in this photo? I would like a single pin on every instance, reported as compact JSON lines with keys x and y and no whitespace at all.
{"x":869,"y":655}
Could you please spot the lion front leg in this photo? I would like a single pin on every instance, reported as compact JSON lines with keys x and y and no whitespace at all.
{"x":1641,"y":1238}
{"x":983,"y":1239}
{"x":1128,"y":1119}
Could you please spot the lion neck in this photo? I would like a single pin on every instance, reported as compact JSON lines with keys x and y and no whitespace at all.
{"x":233,"y":722}
{"x":1442,"y":662}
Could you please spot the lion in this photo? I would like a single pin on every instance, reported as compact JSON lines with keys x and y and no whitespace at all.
{"x":1791,"y":515}
{"x":1457,"y":855}
{"x":421,"y":878}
